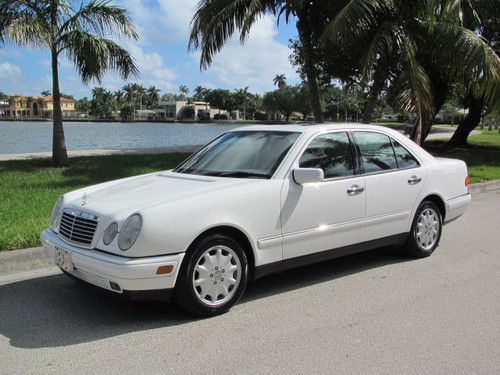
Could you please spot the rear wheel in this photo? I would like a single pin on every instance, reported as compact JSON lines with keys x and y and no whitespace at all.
{"x":426,"y":230}
{"x":213,"y":276}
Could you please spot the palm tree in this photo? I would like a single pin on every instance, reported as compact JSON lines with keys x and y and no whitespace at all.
{"x":119,"y":96}
{"x":215,"y":21}
{"x":45,"y":93}
{"x":184,"y":91}
{"x":418,"y":41}
{"x":129,"y":93}
{"x":75,"y":32}
{"x":280,"y":80}
{"x":153,"y":95}
{"x":140,"y":93}
{"x":199,"y":93}
{"x":479,"y":17}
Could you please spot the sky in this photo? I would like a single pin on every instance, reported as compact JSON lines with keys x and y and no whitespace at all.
{"x":162,"y":56}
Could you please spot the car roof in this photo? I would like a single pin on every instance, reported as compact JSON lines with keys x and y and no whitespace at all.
{"x":312,"y":128}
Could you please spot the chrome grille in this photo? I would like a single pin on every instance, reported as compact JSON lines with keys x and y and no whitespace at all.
{"x":78,"y":226}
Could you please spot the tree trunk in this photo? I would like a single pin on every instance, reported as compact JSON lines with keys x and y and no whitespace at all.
{"x":304,"y":29}
{"x":59,"y":153}
{"x":378,"y":84}
{"x":472,"y":120}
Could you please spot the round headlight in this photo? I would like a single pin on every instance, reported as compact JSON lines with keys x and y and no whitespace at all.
{"x":130,"y":232}
{"x":110,"y":233}
{"x":55,"y":213}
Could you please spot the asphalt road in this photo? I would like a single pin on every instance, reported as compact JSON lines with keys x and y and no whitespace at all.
{"x":374,"y":313}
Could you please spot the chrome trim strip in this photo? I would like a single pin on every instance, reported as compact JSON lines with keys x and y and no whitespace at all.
{"x":267,"y":242}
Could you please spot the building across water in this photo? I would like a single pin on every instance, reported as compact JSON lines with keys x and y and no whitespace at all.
{"x":20,"y":106}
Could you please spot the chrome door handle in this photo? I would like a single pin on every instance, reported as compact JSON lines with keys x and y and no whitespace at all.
{"x":414,"y":180}
{"x":354,"y":190}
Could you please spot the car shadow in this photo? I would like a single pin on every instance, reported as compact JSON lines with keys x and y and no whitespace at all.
{"x":56,"y":311}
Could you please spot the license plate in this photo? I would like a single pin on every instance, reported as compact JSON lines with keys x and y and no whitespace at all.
{"x":63,"y":259}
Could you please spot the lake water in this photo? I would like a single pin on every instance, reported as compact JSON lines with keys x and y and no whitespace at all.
{"x":24,"y":137}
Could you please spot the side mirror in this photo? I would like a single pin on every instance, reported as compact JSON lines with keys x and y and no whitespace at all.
{"x":308,"y":175}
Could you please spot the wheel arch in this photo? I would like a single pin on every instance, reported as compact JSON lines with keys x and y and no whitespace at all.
{"x":238,"y":235}
{"x":438,"y":201}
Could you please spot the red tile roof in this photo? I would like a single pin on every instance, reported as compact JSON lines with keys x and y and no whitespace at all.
{"x":44,"y":98}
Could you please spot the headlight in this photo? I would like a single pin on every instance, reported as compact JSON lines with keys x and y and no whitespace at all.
{"x":55,"y":213}
{"x":130,"y":232}
{"x":110,"y":233}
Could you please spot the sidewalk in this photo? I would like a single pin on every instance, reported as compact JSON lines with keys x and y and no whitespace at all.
{"x":125,"y":151}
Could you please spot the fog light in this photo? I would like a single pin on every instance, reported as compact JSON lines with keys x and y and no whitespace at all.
{"x":115,"y":286}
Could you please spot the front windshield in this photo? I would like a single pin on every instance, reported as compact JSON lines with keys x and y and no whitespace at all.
{"x":250,"y":154}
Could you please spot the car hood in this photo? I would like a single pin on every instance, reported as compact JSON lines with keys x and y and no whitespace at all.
{"x":137,"y":193}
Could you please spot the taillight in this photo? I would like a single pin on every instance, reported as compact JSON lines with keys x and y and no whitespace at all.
{"x":467,"y":181}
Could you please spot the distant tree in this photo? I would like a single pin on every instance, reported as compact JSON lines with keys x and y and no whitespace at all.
{"x":102,"y":104}
{"x":153,"y":96}
{"x":127,"y":112}
{"x":221,"y":99}
{"x":76,"y":32}
{"x":186,"y":112}
{"x":45,"y":93}
{"x":183,"y":91}
{"x":199,"y":93}
{"x":281,"y":101}
{"x":119,"y":97}
{"x":83,"y":105}
{"x":280,"y":80}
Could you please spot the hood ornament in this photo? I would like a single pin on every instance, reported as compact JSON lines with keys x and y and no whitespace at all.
{"x":84,"y":199}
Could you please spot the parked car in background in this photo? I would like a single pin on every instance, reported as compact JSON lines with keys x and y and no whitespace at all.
{"x":255,"y":201}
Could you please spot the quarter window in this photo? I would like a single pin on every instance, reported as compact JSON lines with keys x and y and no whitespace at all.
{"x":403,"y":156}
{"x":376,"y":150}
{"x":331,"y":153}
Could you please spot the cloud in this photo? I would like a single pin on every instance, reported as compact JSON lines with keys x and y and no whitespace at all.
{"x":9,"y":71}
{"x":255,"y":63}
{"x":161,"y":20}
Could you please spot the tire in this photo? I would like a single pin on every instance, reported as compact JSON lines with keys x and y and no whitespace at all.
{"x":425,"y":230}
{"x":213,"y":276}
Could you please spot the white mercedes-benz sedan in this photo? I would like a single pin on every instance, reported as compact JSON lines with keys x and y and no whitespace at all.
{"x":254,"y":201}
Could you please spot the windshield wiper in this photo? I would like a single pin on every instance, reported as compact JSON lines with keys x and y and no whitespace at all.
{"x":238,"y":174}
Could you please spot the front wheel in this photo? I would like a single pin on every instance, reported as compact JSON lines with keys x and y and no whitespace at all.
{"x":213,"y":276}
{"x":425,"y":231}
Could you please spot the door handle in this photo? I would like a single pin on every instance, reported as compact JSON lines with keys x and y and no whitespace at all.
{"x":354,"y":190}
{"x":413,"y":180}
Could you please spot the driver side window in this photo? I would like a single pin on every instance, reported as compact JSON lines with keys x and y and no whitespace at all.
{"x":330,"y":152}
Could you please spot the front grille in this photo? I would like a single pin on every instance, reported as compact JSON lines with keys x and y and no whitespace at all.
{"x":78,"y":226}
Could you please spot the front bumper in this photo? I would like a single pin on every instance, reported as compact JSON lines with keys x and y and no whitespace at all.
{"x":109,"y":271}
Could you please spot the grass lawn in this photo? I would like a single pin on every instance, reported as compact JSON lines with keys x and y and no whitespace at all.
{"x":482,"y":155}
{"x":29,"y":188}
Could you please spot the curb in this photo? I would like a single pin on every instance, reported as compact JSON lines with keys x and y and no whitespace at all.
{"x":484,"y":187}
{"x":16,"y":261}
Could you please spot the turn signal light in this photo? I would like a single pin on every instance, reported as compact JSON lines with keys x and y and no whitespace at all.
{"x":164,"y":270}
{"x":467,"y":181}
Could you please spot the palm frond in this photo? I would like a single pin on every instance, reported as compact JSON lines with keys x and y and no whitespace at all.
{"x":215,"y":21}
{"x":94,"y":55}
{"x":380,"y":46}
{"x":412,"y":89}
{"x":468,"y":56}
{"x":101,"y":18}
{"x":357,"y":17}
{"x":20,"y":22}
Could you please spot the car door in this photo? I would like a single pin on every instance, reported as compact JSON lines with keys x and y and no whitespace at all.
{"x":329,"y":214}
{"x":393,"y":178}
